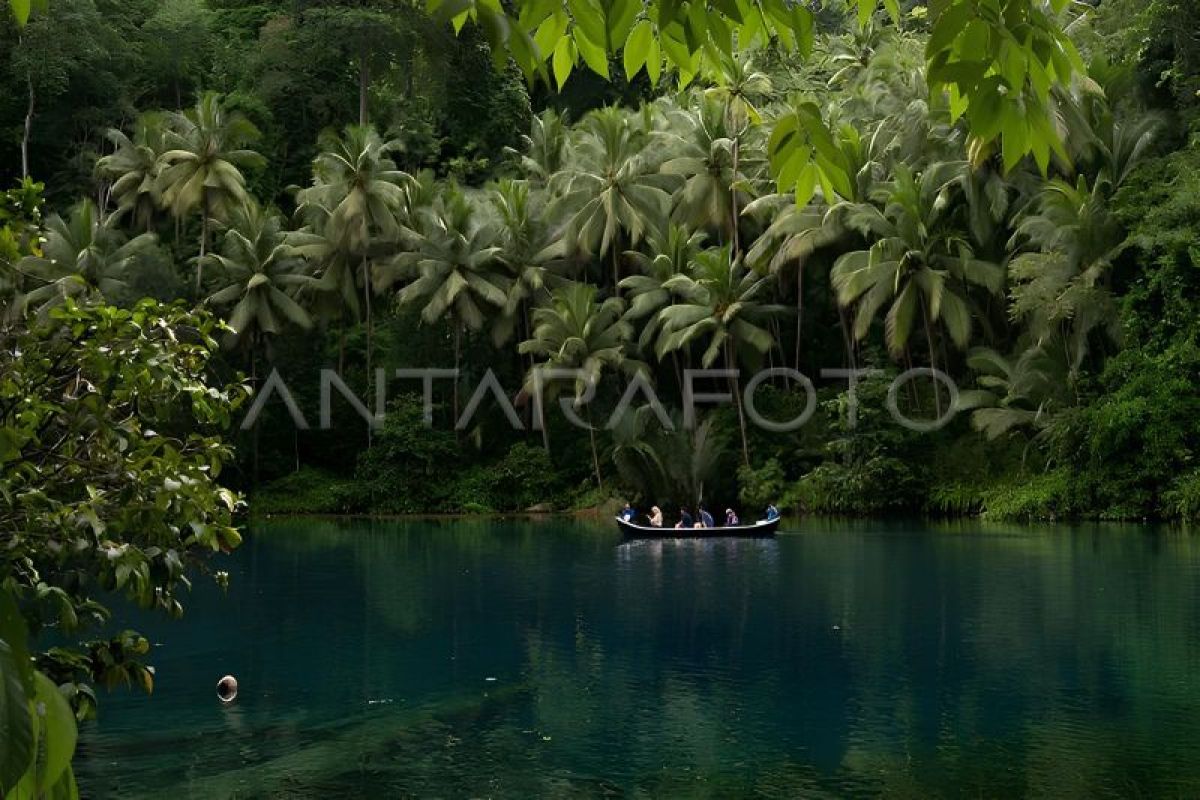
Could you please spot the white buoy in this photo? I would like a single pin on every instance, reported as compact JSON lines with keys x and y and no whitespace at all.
{"x":227,"y":689}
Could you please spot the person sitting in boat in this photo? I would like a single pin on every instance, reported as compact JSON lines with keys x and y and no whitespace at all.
{"x":628,"y":513}
{"x":706,"y":519}
{"x":685,"y":519}
{"x":772,"y":512}
{"x":731,"y":519}
{"x":656,"y":518}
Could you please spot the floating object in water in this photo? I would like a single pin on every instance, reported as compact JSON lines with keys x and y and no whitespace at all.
{"x":490,"y":680}
{"x":227,"y":689}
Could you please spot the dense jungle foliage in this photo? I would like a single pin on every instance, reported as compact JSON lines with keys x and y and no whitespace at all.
{"x":203,"y":198}
{"x":352,"y":186}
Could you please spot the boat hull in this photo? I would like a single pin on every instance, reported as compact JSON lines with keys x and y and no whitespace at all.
{"x":757,"y":529}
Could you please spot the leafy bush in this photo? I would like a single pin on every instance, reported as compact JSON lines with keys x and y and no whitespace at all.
{"x":761,"y":486}
{"x":1130,"y":443}
{"x":878,"y":484}
{"x":1183,"y":498}
{"x":523,"y":478}
{"x":410,"y":467}
{"x":307,"y":491}
{"x":1049,"y":496}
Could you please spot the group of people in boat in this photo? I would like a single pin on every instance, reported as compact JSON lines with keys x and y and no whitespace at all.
{"x":702,"y":519}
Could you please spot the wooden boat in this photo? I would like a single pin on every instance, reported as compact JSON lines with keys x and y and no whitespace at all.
{"x":634,"y":530}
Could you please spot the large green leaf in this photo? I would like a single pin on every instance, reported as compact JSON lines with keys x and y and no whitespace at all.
{"x":58,"y":732}
{"x":16,"y":726}
{"x":20,"y":10}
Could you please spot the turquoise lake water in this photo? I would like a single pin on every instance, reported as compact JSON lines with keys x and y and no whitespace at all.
{"x":549,"y":658}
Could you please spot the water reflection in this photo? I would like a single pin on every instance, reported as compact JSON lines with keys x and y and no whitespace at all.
{"x":550,"y":658}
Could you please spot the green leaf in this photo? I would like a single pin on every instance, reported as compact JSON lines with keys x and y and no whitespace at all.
{"x":16,"y":726}
{"x":593,"y":54}
{"x":947,"y":27}
{"x":806,"y":184}
{"x":865,"y":9}
{"x":620,"y":18}
{"x":1014,"y":138}
{"x":730,"y":9}
{"x":654,"y":62}
{"x":564,"y":61}
{"x":589,"y":18}
{"x":20,"y":10}
{"x":637,"y":48}
{"x":58,"y":731}
{"x":550,"y":33}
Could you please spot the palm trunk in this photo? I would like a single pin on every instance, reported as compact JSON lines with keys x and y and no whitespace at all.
{"x":370,"y":346}
{"x":25,"y":137}
{"x":364,"y":82}
{"x":616,"y":268}
{"x":542,"y":419}
{"x":678,"y":371}
{"x":203,"y":241}
{"x":937,"y":385}
{"x":799,"y":308}
{"x":342,"y":347}
{"x":595,"y":452}
{"x":457,"y":360}
{"x":733,"y":204}
{"x":370,"y":321}
{"x":847,"y":339}
{"x":737,"y":401}
{"x":254,"y":383}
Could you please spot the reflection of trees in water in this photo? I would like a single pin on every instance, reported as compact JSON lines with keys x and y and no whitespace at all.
{"x":853,"y":658}
{"x":1036,"y":662}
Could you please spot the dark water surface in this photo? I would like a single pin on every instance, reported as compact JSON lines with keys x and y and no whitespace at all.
{"x":549,"y":659}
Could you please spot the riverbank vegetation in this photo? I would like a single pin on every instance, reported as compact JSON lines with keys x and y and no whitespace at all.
{"x":357,"y":188}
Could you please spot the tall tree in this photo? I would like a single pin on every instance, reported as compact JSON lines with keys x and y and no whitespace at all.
{"x":614,"y":186}
{"x":739,"y":87}
{"x":133,"y":168}
{"x":454,"y":268}
{"x":722,"y":307}
{"x":575,"y":330}
{"x":260,"y":272}
{"x":530,"y":251}
{"x":670,"y":250}
{"x":920,"y":261}
{"x":357,"y":184}
{"x":203,"y":169}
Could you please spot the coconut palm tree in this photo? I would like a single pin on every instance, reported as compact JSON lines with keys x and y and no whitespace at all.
{"x":529,"y":251}
{"x":1060,"y":284}
{"x":722,"y":307}
{"x":701,"y":148}
{"x":738,"y":89}
{"x":261,"y":273}
{"x":669,"y":251}
{"x":613,"y":185}
{"x":82,"y":257}
{"x":453,"y":269}
{"x":1025,"y":391}
{"x":794,"y":234}
{"x":919,"y":261}
{"x":133,"y":168}
{"x":544,"y":150}
{"x":360,"y":194}
{"x":575,"y":330}
{"x":203,"y":167}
